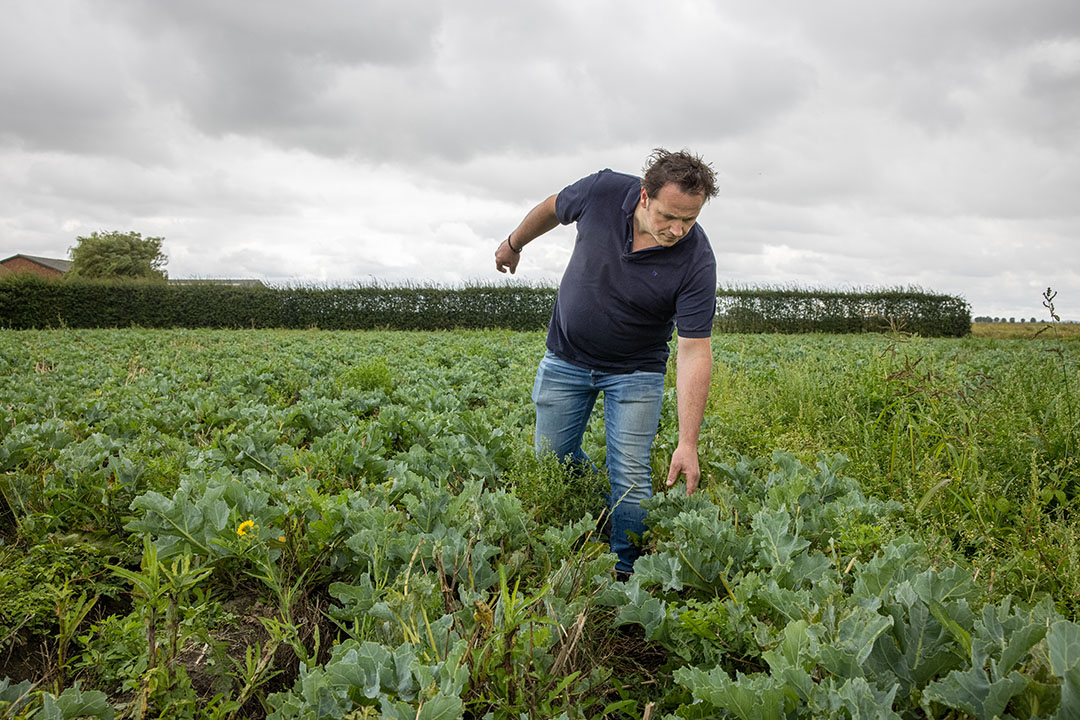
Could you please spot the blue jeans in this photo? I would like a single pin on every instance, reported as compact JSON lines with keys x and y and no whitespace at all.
{"x":564,"y":395}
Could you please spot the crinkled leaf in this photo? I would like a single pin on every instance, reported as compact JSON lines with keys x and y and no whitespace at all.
{"x":792,"y":649}
{"x":948,"y":621}
{"x":854,"y":641}
{"x":776,"y":543}
{"x":1017,"y":647}
{"x":717,"y":540}
{"x":916,"y":650}
{"x":560,"y":538}
{"x":1070,"y":695}
{"x":14,"y":696}
{"x":973,"y":692}
{"x":1063,"y":642}
{"x":74,"y":703}
{"x":864,"y":702}
{"x":648,"y":612}
{"x":807,"y":569}
{"x":876,"y":577}
{"x":438,"y":707}
{"x":359,"y":668}
{"x":663,"y":569}
{"x":953,"y":583}
{"x":357,"y":599}
{"x":748,"y":698}
{"x":791,"y":604}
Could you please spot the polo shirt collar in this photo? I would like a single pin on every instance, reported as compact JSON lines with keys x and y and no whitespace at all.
{"x":631,"y":200}
{"x":633,"y":197}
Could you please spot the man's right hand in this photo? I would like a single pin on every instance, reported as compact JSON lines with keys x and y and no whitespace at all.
{"x":505,"y":258}
{"x":537,"y":222}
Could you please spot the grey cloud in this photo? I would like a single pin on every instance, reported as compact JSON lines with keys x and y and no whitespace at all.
{"x":881,"y":37}
{"x":64,"y":83}
{"x":258,"y":68}
{"x":382,"y":80}
{"x":406,"y":82}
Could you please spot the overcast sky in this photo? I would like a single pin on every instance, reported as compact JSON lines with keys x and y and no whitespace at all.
{"x":857,"y":144}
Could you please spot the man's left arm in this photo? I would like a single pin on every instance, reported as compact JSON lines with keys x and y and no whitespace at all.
{"x":693,"y":372}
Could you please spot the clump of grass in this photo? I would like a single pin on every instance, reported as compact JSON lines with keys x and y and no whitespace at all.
{"x":370,"y":374}
{"x":557,"y":493}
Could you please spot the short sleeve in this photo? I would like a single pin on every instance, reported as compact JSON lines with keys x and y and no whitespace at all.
{"x":695,"y":305}
{"x":572,"y":200}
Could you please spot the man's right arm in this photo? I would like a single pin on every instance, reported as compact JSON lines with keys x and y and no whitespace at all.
{"x":538,"y":221}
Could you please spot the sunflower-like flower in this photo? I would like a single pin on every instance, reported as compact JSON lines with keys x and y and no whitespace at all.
{"x":245,"y":527}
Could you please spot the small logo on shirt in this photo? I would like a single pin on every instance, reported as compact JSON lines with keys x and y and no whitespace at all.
{"x":655,"y":274}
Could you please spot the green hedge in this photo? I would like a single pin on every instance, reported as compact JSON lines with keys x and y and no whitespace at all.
{"x":790,"y":310}
{"x":27,"y":301}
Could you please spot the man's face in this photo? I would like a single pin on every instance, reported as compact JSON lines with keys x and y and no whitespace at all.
{"x":670,"y":215}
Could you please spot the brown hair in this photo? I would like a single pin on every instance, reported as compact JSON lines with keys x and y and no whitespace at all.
{"x":689,"y":172}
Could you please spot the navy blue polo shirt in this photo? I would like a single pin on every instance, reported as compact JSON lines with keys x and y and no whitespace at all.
{"x":616,"y":308}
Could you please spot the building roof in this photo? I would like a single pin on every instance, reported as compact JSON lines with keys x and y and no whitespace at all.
{"x":51,"y":263}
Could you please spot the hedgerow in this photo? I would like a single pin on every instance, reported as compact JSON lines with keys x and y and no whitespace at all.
{"x":29,"y":302}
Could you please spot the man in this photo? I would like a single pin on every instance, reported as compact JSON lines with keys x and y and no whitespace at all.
{"x":640,"y":267}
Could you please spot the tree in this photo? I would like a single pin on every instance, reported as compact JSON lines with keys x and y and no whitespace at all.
{"x":118,"y":255}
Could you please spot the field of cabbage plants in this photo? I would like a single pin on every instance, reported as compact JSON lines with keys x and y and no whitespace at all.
{"x":309,"y":524}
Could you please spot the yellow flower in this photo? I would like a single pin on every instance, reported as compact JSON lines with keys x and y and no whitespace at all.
{"x":245,"y":527}
{"x":281,"y":538}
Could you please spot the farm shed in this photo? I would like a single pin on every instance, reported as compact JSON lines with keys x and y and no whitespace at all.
{"x":45,"y":267}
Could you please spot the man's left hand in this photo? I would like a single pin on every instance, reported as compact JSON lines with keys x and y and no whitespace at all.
{"x":684,"y":461}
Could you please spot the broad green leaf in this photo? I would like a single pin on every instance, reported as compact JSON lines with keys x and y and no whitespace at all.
{"x":973,"y":692}
{"x":1018,"y":646}
{"x":893,"y":564}
{"x":1063,"y":641}
{"x":702,"y":530}
{"x":360,"y":668}
{"x":14,"y":696}
{"x":854,"y":641}
{"x":357,"y":598}
{"x":662,"y":569}
{"x":953,"y":583}
{"x":916,"y":650}
{"x":1069,"y":709}
{"x":962,"y":636}
{"x":560,"y":538}
{"x":756,"y":698}
{"x":807,"y":569}
{"x":865,"y":703}
{"x":453,"y":672}
{"x":795,"y":643}
{"x":797,"y":680}
{"x":791,"y":604}
{"x":74,"y":703}
{"x":776,"y":543}
{"x":649,"y":612}
{"x":440,"y":707}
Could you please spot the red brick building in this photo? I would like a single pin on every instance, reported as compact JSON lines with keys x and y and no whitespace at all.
{"x":45,"y":267}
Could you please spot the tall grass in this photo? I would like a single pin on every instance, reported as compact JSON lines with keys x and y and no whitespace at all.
{"x":976,"y":437}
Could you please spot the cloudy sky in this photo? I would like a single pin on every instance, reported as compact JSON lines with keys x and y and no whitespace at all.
{"x":857,"y":144}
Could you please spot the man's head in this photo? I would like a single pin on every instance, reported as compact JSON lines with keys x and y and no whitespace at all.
{"x":691,"y":174}
{"x":673,"y":191}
